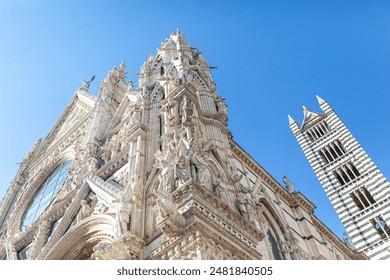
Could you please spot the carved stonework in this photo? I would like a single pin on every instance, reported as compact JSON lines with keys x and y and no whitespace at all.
{"x":127,"y":247}
{"x":195,"y":246}
{"x":169,"y":220}
{"x":155,"y":174}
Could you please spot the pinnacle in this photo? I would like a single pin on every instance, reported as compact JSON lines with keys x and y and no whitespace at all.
{"x":320,"y":100}
{"x":291,"y":120}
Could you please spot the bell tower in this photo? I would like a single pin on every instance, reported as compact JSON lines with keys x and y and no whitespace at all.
{"x":357,"y":189}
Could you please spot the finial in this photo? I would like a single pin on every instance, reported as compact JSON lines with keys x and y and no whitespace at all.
{"x":320,"y":100}
{"x":290,"y":120}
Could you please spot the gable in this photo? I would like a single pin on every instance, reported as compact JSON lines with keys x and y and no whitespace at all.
{"x":78,"y":107}
{"x":310,"y":117}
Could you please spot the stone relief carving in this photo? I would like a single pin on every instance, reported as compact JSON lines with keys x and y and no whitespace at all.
{"x":245,"y":204}
{"x":101,"y":208}
{"x":198,"y":247}
{"x":127,"y":247}
{"x":169,"y":220}
{"x":111,"y":251}
{"x":195,"y":154}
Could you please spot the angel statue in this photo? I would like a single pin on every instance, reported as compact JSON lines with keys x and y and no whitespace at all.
{"x":87,"y":82}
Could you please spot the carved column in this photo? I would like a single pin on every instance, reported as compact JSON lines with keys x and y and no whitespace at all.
{"x":10,"y":249}
{"x":40,"y":239}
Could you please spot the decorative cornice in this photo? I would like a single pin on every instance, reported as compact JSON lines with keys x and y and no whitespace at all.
{"x":292,"y":200}
{"x":352,"y":255}
{"x":118,"y":160}
{"x":105,"y":186}
{"x":194,"y":199}
{"x":194,"y":238}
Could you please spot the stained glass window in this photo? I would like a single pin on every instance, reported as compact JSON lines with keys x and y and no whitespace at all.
{"x":45,"y":194}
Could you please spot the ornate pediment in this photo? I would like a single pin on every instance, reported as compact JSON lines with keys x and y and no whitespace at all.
{"x":71,"y":118}
{"x":310,"y":118}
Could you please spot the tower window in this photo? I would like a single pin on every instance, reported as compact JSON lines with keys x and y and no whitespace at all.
{"x":323,"y":156}
{"x":331,"y":152}
{"x":381,"y":227}
{"x":317,"y":131}
{"x":346,"y":173}
{"x":362,"y":198}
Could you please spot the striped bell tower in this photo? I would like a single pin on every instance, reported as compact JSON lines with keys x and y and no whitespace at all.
{"x":357,"y":189}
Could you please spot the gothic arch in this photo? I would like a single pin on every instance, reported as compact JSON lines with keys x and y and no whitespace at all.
{"x":275,"y":229}
{"x":33,"y":186}
{"x":80,"y":240}
{"x":152,"y":183}
{"x":158,"y":93}
{"x":198,"y":81}
{"x":278,"y":220}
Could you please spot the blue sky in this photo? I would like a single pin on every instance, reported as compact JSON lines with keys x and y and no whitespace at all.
{"x":272,"y":58}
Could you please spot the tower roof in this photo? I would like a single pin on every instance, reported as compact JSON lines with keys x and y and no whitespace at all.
{"x":309,"y":117}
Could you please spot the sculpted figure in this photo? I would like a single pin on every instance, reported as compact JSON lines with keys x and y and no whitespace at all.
{"x":86,"y":83}
{"x":217,"y":189}
{"x":135,"y":114}
{"x":289,"y":184}
{"x":348,"y":241}
{"x":130,"y":86}
{"x":182,"y":169}
{"x":221,"y":107}
{"x":245,"y":204}
{"x":85,"y":211}
{"x":186,"y":111}
{"x":122,"y":71}
{"x":167,"y":173}
{"x":124,"y":208}
{"x":203,"y":175}
{"x":172,"y":109}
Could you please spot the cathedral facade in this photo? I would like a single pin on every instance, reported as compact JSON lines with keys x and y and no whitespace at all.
{"x":152,"y":173}
{"x":356,"y":187}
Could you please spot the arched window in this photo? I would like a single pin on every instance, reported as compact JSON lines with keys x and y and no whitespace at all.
{"x":275,"y":234}
{"x":45,"y":194}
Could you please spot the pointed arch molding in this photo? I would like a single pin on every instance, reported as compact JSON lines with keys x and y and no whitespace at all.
{"x":87,"y":233}
{"x":32,"y":187}
{"x":280,"y":223}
